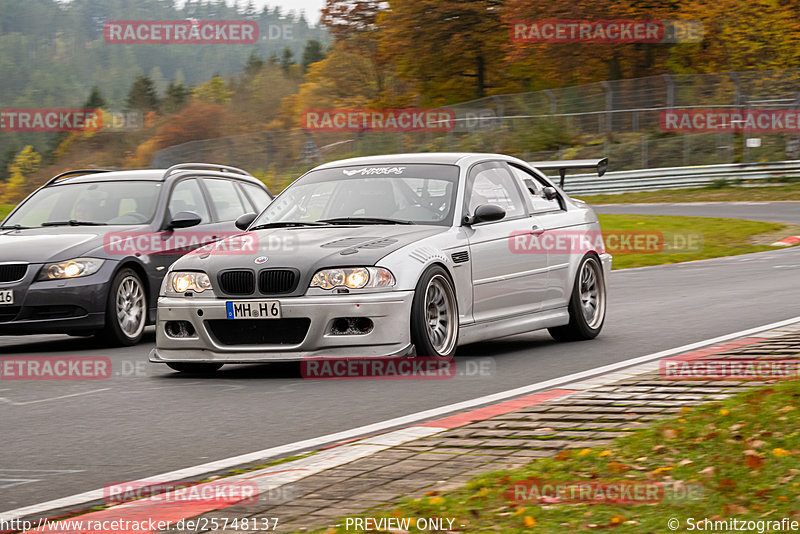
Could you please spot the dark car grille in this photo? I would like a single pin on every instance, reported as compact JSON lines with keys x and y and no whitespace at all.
{"x":290,"y":331}
{"x":12,"y":272}
{"x":277,"y":281}
{"x":237,"y":282}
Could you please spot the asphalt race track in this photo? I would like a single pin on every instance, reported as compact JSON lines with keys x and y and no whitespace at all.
{"x":66,"y":437}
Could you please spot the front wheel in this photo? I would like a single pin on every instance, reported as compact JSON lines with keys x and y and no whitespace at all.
{"x":434,"y":314}
{"x":587,"y":304}
{"x":195,"y":368}
{"x":126,"y":309}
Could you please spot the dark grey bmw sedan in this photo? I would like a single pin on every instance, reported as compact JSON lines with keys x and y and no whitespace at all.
{"x":86,"y":253}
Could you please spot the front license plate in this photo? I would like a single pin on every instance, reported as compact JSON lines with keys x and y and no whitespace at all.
{"x":6,"y":297}
{"x":264,"y":309}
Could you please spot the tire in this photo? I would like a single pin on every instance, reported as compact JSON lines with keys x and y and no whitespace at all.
{"x":195,"y":368}
{"x":434,"y":314}
{"x":126,"y":310}
{"x":588,"y":299}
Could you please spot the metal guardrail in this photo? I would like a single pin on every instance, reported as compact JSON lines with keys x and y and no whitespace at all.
{"x":678,"y":177}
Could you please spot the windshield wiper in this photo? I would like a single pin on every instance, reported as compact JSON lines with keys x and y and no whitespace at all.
{"x":15,"y":227}
{"x":365,"y":220}
{"x":285,"y":224}
{"x":72,"y":222}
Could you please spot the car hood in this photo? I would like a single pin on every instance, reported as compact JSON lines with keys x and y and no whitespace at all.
{"x":306,"y":249}
{"x":41,"y":245}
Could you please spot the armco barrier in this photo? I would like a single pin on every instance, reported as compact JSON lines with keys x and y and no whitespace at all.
{"x":678,"y":177}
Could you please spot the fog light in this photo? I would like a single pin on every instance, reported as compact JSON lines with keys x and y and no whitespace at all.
{"x":179,"y":329}
{"x":351,"y":326}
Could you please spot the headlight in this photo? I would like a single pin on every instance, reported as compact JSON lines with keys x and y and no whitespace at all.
{"x":70,"y":269}
{"x":181,"y":282}
{"x":353,"y":278}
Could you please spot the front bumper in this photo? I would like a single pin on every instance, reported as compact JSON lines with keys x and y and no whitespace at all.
{"x":56,"y":306}
{"x":390,"y":313}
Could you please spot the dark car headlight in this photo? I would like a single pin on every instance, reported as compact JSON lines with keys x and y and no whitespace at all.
{"x":353,"y":278}
{"x":65,"y":270}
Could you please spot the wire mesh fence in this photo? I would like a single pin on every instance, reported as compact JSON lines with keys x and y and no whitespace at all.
{"x":618,"y":119}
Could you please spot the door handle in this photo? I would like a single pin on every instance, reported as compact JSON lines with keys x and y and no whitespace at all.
{"x":536,"y":230}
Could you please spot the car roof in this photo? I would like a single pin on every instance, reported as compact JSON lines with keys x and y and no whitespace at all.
{"x":147,"y":175}
{"x":431,"y":158}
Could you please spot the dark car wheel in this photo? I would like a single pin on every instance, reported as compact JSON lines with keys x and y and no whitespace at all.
{"x":587,"y":304}
{"x":126,"y":309}
{"x":434,"y":314}
{"x":195,"y":368}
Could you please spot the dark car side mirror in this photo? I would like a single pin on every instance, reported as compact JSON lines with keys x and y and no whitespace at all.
{"x":244,"y":221}
{"x":485,"y":213}
{"x":550,"y":193}
{"x":184,"y":219}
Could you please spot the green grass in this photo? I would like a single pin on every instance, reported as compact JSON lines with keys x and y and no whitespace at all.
{"x":737,"y":461}
{"x":5,"y":209}
{"x":702,"y":194}
{"x":719,"y":237}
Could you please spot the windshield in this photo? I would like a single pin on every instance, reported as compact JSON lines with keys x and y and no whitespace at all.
{"x":420,"y":194}
{"x":112,"y":203}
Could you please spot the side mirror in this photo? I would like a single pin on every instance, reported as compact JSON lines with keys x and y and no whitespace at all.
{"x":244,"y":221}
{"x":485,"y":213}
{"x":550,"y":193}
{"x":184,"y":219}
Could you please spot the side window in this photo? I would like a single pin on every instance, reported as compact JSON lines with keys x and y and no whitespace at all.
{"x":492,"y":184}
{"x":226,"y":200}
{"x":534,"y":186}
{"x":187,"y":196}
{"x":258,"y":197}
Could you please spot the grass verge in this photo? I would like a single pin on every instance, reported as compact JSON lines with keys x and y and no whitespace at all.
{"x":737,"y":458}
{"x":685,"y":238}
{"x":702,"y":194}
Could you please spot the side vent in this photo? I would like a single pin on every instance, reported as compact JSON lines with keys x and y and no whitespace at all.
{"x":460,"y":257}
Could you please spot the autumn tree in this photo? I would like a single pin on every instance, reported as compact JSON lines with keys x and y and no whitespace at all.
{"x":25,"y":163}
{"x":213,"y":91}
{"x":450,"y":50}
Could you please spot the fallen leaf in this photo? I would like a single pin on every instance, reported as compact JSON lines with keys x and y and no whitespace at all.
{"x":724,"y":412}
{"x":670,"y":433}
{"x":685,"y":462}
{"x":727,"y":483}
{"x":708,"y":472}
{"x":780,"y":452}
{"x":529,"y":521}
{"x":786,"y":409}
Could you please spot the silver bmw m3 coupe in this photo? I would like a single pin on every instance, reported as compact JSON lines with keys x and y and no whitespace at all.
{"x":395,"y":255}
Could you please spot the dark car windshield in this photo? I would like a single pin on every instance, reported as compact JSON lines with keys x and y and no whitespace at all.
{"x":420,"y":194}
{"x":101,"y":203}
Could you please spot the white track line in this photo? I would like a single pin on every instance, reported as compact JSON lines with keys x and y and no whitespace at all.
{"x":300,"y":446}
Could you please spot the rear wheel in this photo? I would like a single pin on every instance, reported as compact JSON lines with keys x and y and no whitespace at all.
{"x":195,"y":368}
{"x":434,"y":314}
{"x":126,"y":309}
{"x":587,"y":304}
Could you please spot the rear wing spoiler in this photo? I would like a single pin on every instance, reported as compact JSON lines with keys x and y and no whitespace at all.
{"x":598,"y":165}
